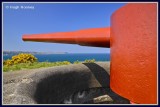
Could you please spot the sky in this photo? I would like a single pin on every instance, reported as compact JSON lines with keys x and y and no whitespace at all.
{"x":37,"y":18}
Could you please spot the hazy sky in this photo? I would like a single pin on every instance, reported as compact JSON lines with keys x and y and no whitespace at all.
{"x":53,"y":17}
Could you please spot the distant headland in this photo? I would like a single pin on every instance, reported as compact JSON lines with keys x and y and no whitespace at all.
{"x":5,"y":53}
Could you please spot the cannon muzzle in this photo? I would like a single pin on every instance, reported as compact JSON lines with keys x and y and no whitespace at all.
{"x":97,"y":37}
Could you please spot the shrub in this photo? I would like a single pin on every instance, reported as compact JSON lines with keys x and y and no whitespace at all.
{"x":8,"y":62}
{"x":66,"y":63}
{"x":90,"y":61}
{"x":76,"y":62}
{"x":20,"y":58}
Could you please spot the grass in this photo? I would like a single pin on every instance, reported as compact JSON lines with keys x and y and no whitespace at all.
{"x":23,"y":66}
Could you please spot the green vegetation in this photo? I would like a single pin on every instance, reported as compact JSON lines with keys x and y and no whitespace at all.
{"x":28,"y":61}
{"x":90,"y":61}
{"x":86,"y":61}
{"x":76,"y":62}
{"x":23,"y":66}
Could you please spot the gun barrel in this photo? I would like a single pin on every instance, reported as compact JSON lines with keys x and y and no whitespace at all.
{"x":97,"y":37}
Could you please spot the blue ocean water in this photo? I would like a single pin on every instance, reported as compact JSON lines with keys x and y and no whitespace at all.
{"x":71,"y":57}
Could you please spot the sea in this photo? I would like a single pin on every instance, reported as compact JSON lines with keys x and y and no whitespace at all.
{"x":71,"y":57}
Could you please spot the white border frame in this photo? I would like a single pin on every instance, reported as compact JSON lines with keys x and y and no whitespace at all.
{"x":76,"y":3}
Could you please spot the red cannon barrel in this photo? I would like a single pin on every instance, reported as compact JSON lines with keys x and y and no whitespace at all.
{"x":98,"y":37}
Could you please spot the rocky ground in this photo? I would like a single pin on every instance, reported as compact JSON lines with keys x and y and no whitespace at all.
{"x":71,"y":84}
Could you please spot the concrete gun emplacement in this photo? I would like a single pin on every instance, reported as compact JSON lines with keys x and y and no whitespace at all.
{"x":132,"y":38}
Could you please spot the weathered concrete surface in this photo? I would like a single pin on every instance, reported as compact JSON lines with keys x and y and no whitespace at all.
{"x":54,"y":84}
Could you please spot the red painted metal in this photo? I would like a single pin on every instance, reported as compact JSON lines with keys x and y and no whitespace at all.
{"x":133,"y":41}
{"x":134,"y":52}
{"x":98,"y":37}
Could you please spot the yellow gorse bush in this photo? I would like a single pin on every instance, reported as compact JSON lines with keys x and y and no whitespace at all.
{"x":20,"y":58}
